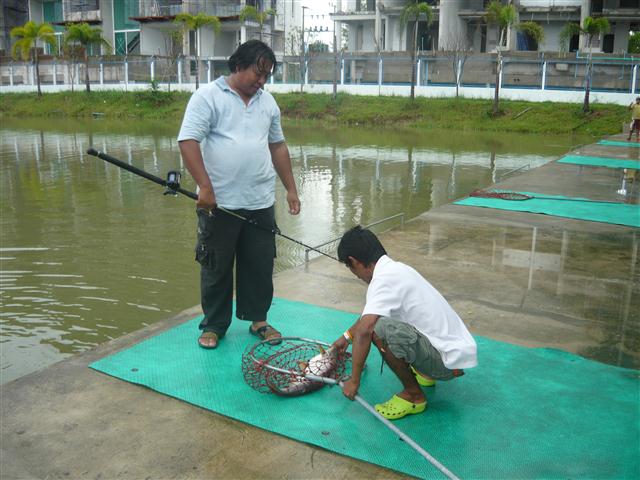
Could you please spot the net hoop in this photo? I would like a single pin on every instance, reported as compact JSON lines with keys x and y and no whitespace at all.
{"x":281,"y":368}
{"x":502,"y":194}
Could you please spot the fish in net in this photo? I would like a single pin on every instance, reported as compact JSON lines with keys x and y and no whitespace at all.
{"x":293,"y":367}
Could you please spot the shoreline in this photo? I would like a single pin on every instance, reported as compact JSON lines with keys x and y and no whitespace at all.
{"x":461,"y":114}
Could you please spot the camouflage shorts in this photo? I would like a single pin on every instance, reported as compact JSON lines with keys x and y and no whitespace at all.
{"x":408,"y":344}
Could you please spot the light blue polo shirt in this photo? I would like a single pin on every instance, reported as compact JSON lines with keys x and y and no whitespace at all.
{"x":234,"y":139}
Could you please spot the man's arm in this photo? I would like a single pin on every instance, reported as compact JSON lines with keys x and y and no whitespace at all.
{"x":282,"y":163}
{"x":192,"y":156}
{"x":362,"y":332}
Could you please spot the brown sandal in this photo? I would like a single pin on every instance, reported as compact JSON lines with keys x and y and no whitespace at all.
{"x":205,"y":340}
{"x":267,"y":332}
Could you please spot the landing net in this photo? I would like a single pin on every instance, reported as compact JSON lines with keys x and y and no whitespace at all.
{"x":502,"y":194}
{"x":281,"y":368}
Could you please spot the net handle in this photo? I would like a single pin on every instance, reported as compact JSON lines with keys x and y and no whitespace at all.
{"x":330,"y":381}
{"x":406,"y":438}
{"x":412,"y":443}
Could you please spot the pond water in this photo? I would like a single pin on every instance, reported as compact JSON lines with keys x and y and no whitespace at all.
{"x":90,"y":252}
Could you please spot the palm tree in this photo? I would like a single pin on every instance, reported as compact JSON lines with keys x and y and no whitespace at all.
{"x":27,"y":44}
{"x":412,"y":12}
{"x":503,"y":16}
{"x":592,"y":27}
{"x":251,"y":13}
{"x":84,"y":35}
{"x":196,"y":22}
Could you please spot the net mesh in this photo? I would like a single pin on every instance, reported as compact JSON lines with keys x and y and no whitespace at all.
{"x":281,"y":368}
{"x":503,"y":194}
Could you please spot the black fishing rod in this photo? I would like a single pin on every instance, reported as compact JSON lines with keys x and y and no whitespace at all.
{"x":172,"y":184}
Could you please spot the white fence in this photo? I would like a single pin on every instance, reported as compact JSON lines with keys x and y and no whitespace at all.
{"x":474,"y":76}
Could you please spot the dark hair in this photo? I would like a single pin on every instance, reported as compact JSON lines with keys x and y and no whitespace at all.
{"x":361,"y":244}
{"x":251,"y":53}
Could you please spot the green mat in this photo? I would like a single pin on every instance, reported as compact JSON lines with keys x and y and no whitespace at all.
{"x":523,"y":413}
{"x":600,"y":161}
{"x":616,"y":143}
{"x":559,"y":206}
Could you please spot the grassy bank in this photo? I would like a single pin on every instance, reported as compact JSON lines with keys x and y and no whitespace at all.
{"x":435,"y":113}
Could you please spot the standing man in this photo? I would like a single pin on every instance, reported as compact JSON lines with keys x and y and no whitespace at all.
{"x":635,"y":119}
{"x":418,"y":334}
{"x":232,"y":143}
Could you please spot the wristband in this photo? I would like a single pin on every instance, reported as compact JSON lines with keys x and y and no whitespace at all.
{"x":347,"y":336}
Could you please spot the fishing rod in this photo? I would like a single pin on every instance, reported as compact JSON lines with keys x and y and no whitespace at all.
{"x":172,"y":184}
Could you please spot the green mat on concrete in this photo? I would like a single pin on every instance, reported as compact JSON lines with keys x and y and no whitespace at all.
{"x":522,"y":413}
{"x":600,"y":161}
{"x":616,"y":143}
{"x":559,"y":206}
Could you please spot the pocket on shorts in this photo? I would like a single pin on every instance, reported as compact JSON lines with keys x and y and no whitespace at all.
{"x":399,"y":337}
{"x":203,"y":254}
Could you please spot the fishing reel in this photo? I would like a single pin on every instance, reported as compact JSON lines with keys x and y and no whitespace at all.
{"x":172,"y":183}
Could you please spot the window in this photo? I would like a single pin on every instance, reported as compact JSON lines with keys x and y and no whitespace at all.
{"x":526,"y":43}
{"x":629,"y":3}
{"x":574,"y":43}
{"x":123,"y":11}
{"x":607,"y":43}
{"x":596,"y":6}
{"x":127,"y":43}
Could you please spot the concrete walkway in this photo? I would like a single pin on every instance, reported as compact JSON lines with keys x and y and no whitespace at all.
{"x":528,"y":279}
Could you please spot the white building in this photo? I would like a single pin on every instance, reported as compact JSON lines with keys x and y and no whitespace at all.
{"x":143,"y":27}
{"x":374,"y":25}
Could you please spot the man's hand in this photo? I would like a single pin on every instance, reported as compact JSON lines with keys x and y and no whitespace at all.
{"x":294,"y":203}
{"x":350,"y":388}
{"x":206,"y":199}
{"x":340,"y":344}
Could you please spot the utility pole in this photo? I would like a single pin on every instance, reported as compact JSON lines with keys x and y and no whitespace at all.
{"x":303,"y":69}
{"x":335,"y":56}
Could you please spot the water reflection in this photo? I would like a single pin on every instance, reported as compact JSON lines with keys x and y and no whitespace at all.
{"x":89,"y":252}
{"x":573,"y":290}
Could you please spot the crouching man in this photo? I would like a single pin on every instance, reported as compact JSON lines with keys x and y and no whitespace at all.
{"x":418,"y":334}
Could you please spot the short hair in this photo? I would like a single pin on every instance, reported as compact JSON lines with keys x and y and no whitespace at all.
{"x":361,"y":244}
{"x":251,"y":53}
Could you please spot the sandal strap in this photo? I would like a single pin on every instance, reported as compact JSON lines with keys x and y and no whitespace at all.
{"x":267,"y":331}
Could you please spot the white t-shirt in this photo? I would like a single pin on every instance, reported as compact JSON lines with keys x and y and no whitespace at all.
{"x":399,"y":292}
{"x":235,"y":139}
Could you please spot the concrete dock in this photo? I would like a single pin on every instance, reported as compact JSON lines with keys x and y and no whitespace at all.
{"x":527,"y":279}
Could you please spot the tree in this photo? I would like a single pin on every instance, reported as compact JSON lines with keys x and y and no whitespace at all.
{"x":196,"y":22}
{"x":174,"y":46}
{"x":72,"y":54}
{"x":251,"y":13}
{"x":85,"y":36}
{"x":412,"y":12}
{"x":27,"y":44}
{"x":503,"y":16}
{"x":458,"y":50}
{"x":591,"y":28}
{"x":634,"y":42}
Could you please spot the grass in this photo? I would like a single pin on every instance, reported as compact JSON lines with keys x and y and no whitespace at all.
{"x":422,"y":113}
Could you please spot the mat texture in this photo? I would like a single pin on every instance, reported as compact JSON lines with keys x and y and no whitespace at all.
{"x":523,"y":413}
{"x":600,"y":162}
{"x":559,"y":206}
{"x":617,"y":143}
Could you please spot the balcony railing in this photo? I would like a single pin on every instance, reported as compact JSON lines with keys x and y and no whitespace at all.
{"x":81,"y":11}
{"x":218,"y":8}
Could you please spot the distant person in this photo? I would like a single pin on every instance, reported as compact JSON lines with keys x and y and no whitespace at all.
{"x":635,"y":119}
{"x":232,"y":143}
{"x":418,"y":334}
